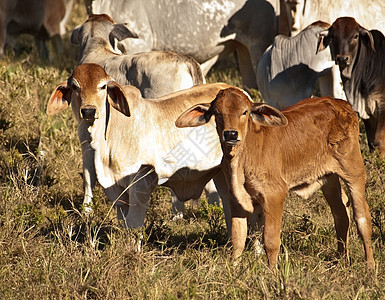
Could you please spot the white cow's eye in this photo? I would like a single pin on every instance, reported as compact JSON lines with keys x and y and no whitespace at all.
{"x":74,"y":87}
{"x":103,"y":87}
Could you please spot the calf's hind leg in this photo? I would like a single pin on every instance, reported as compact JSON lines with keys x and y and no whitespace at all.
{"x":337,"y":201}
{"x":354,"y":176}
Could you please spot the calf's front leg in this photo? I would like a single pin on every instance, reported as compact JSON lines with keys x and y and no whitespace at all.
{"x":273,"y":211}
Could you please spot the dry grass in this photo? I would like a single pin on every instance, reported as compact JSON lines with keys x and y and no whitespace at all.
{"x":50,"y":250}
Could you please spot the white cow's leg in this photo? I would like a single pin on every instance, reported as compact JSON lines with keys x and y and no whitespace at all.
{"x":139,"y":195}
{"x":247,"y":70}
{"x":221,"y":186}
{"x":211,"y":193}
{"x":89,"y":172}
{"x":207,"y":65}
{"x":177,"y":207}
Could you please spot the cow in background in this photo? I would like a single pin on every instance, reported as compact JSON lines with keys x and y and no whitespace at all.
{"x":204,"y":30}
{"x":301,"y":13}
{"x":45,"y":19}
{"x":266,"y":153}
{"x":360,"y":55}
{"x":290,"y":67}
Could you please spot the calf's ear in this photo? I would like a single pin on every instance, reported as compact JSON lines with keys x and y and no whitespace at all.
{"x":367,"y":34}
{"x":196,"y":115}
{"x":323,"y":40}
{"x":117,"y":98}
{"x":266,"y":115}
{"x":59,"y":99}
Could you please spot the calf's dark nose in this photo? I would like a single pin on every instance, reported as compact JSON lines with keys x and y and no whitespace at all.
{"x":88,"y":113}
{"x":230,"y":136}
{"x":342,"y":60}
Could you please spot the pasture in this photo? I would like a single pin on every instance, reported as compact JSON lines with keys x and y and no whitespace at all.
{"x":50,"y":250}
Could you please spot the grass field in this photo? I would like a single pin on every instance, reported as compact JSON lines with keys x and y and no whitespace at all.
{"x":50,"y":250}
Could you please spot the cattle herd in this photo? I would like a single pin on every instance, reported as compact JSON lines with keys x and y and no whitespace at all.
{"x":146,"y":117}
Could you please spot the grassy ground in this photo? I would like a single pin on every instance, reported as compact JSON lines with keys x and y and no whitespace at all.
{"x":50,"y":250}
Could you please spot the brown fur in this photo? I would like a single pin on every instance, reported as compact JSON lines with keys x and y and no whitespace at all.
{"x":304,"y":147}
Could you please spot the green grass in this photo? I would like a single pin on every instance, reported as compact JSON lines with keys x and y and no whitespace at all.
{"x":50,"y":250}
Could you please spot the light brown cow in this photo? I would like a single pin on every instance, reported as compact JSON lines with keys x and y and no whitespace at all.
{"x":43,"y":18}
{"x":266,"y":153}
{"x":135,"y":140}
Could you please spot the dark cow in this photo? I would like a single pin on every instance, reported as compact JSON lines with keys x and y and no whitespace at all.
{"x":204,"y":30}
{"x":266,"y":153}
{"x":360,"y":55}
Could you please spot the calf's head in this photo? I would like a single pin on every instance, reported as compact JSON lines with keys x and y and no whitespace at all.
{"x":88,"y":89}
{"x":344,"y":37}
{"x":102,"y":26}
{"x":235,"y":114}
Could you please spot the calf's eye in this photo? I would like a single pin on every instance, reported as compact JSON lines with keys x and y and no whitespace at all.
{"x":245,"y":112}
{"x":103,"y":87}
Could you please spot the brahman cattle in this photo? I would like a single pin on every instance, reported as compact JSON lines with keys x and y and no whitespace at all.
{"x":290,"y":67}
{"x":204,"y":30}
{"x":43,"y":18}
{"x":369,"y":14}
{"x":154,"y":73}
{"x":266,"y":153}
{"x":360,"y":54}
{"x":136,"y":143}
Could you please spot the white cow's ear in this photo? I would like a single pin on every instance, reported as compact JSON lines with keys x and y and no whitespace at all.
{"x":117,"y":98}
{"x":59,"y":100}
{"x":266,"y":115}
{"x":121,"y":32}
{"x":196,"y":115}
{"x":323,"y":40}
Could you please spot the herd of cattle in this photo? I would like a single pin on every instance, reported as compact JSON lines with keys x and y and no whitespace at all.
{"x":146,"y":117}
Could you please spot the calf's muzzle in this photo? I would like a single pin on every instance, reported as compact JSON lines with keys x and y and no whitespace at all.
{"x":343,"y":60}
{"x":230,"y":137}
{"x":88,"y":113}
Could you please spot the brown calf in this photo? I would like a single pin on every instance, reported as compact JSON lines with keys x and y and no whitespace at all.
{"x":266,"y":153}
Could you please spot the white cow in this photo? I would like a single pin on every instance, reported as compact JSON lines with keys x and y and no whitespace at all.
{"x":290,"y":67}
{"x":155,"y":73}
{"x":204,"y":30}
{"x":370,"y":14}
{"x":136,"y":143}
